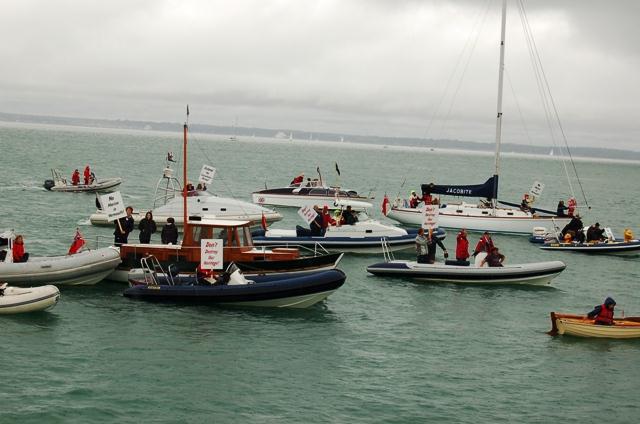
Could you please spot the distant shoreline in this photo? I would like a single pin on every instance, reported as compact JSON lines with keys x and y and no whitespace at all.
{"x":280,"y":140}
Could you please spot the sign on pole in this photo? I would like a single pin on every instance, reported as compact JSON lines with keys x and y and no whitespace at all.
{"x":211,"y":254}
{"x":206,"y":174}
{"x":112,"y":205}
{"x":430,"y":216}
{"x":536,"y":189}
{"x":307,"y":213}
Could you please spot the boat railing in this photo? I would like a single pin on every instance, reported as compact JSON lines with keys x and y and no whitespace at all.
{"x":151,"y":268}
{"x":99,"y":241}
{"x":386,"y":251}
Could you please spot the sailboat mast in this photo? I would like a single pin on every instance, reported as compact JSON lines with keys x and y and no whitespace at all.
{"x":184,"y":177}
{"x":499,"y":115}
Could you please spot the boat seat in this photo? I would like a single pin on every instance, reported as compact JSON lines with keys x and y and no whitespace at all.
{"x":456,"y":262}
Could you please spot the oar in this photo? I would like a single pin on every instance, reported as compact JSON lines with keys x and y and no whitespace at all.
{"x":554,"y":327}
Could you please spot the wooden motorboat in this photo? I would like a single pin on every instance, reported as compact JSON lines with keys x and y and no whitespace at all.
{"x":16,"y":300}
{"x":581,"y":326}
{"x":59,"y":183}
{"x":272,"y":290}
{"x":540,"y":273}
{"x":83,"y":268}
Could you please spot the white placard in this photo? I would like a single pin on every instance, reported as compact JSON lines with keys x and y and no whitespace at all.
{"x":430,"y":216}
{"x":211,"y":254}
{"x":112,"y":205}
{"x":609,"y":234}
{"x":536,"y":189}
{"x":206,"y":174}
{"x":307,"y":213}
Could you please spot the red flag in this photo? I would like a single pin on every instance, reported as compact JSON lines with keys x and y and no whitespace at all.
{"x":385,"y":205}
{"x":78,"y":242}
{"x":264,"y":222}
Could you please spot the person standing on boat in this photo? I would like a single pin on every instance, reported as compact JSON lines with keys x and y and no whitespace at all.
{"x":413,"y":200}
{"x":462,"y":246}
{"x":19,"y":255}
{"x":169,"y":233}
{"x":561,"y":209}
{"x":87,"y":175}
{"x":485,"y":244}
{"x":75,"y":178}
{"x":432,"y":245}
{"x":595,"y":233}
{"x":316,"y":225}
{"x":421,"y":247}
{"x":327,"y":220}
{"x":603,"y":314}
{"x":147,"y":226}
{"x":494,"y":258}
{"x":123,"y":226}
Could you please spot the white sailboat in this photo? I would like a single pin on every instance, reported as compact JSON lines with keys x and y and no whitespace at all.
{"x":489,"y":214}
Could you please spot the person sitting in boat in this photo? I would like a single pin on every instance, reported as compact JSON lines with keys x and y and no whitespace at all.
{"x":561,"y":208}
{"x":169,"y":234}
{"x":572,"y":204}
{"x":86,"y":174}
{"x":603,"y":314}
{"x":413,"y":200}
{"x":75,"y":178}
{"x":576,"y":226}
{"x":628,"y":235}
{"x":462,"y":246}
{"x":349,"y":216}
{"x":426,"y":195}
{"x":316,"y":224}
{"x":485,"y":244}
{"x":19,"y":255}
{"x":493,"y":259}
{"x":297,"y":180}
{"x":525,"y":205}
{"x":595,"y":233}
{"x":568,"y":236}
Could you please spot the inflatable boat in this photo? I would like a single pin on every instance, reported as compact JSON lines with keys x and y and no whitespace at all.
{"x":16,"y":300}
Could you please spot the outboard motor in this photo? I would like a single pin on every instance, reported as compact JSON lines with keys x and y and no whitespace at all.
{"x":48,"y":184}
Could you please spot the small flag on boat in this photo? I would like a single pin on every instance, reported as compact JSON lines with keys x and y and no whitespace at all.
{"x":263,"y":222}
{"x":385,"y":205}
{"x":78,"y":242}
{"x":337,"y":169}
{"x":187,"y":110}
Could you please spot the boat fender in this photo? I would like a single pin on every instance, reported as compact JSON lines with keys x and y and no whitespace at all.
{"x":49,"y":184}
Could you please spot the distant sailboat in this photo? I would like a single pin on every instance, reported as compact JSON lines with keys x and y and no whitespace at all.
{"x":234,"y":137}
{"x":551,"y":152}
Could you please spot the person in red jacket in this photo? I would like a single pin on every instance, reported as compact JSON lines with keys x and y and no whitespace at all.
{"x":603,"y":314}
{"x":87,"y":175}
{"x":75,"y":178}
{"x":297,"y":180}
{"x":462,"y":246}
{"x":326,"y":218}
{"x":485,"y":244}
{"x":19,"y":255}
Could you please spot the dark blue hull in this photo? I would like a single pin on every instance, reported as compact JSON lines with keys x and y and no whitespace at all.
{"x":267,"y":290}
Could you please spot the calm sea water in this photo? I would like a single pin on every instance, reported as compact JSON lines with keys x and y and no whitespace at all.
{"x":378,"y":350}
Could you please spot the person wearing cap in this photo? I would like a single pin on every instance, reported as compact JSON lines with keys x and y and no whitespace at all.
{"x":595,"y":233}
{"x":603,"y":314}
{"x":494,"y":258}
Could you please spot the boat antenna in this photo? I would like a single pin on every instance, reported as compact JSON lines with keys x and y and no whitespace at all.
{"x":499,"y":114}
{"x":184,"y":174}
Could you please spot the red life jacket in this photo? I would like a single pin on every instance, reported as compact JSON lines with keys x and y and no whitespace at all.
{"x":605,"y":316}
{"x":462,"y":247}
{"x":18,"y":252}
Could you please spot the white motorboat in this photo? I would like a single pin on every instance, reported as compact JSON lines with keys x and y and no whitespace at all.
{"x":83,"y":268}
{"x":59,"y":183}
{"x":16,"y":300}
{"x":490,"y":215}
{"x":540,"y":273}
{"x":365,"y":236}
{"x":169,"y":203}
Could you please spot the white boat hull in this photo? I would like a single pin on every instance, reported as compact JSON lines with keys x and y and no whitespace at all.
{"x":294,"y":201}
{"x":298,"y":302}
{"x":18,"y":300}
{"x":84,"y":268}
{"x":502,"y":220}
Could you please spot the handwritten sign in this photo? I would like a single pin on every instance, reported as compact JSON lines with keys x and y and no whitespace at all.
{"x":206,"y":174}
{"x":307,"y":213}
{"x":536,"y":189}
{"x":211,"y":254}
{"x":609,"y":234}
{"x":112,"y":205}
{"x":430,"y":216}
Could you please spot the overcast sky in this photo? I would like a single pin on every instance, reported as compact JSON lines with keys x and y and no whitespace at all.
{"x":372,"y":67}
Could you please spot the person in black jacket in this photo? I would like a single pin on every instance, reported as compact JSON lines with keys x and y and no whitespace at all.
{"x":169,"y":233}
{"x":123,"y":226}
{"x":147,"y":227}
